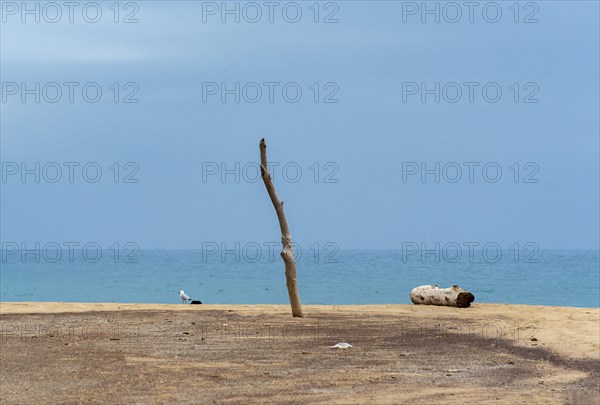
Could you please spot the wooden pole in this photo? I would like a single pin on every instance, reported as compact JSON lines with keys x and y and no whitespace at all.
{"x":287,"y":254}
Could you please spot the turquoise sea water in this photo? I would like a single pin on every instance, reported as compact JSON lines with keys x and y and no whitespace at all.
{"x":559,"y":277}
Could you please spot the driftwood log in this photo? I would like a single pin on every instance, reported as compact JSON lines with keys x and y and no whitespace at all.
{"x":432,"y":295}
{"x":287,"y":254}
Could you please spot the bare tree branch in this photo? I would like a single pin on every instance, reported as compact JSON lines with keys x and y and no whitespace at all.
{"x":287,"y":254}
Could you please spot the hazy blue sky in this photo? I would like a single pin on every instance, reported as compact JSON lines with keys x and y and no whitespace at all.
{"x":377,"y":131}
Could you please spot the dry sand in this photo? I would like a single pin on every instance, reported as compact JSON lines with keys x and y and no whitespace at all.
{"x":138,"y":353}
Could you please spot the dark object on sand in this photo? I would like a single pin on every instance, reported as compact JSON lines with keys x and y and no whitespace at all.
{"x":195,"y":302}
{"x":433,"y":295}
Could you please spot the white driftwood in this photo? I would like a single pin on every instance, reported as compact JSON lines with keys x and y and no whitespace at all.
{"x":432,"y":295}
{"x":287,"y":254}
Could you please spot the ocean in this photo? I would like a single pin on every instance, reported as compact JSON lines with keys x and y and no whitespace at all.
{"x":552,"y":277}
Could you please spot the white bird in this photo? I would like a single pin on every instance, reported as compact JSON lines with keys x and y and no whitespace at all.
{"x":184,"y":297}
{"x":342,"y":345}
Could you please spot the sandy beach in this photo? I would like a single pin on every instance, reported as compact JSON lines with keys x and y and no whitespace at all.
{"x":147,"y":353}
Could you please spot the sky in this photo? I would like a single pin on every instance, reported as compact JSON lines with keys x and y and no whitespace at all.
{"x":384,"y":125}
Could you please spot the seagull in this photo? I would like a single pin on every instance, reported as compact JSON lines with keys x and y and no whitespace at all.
{"x":184,"y":297}
{"x":342,"y":345}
